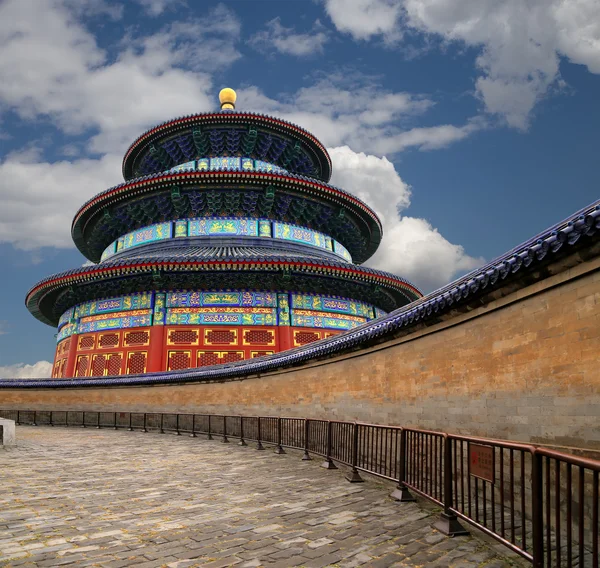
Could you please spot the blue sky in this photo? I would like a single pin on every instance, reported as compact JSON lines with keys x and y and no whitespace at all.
{"x":468,"y":125}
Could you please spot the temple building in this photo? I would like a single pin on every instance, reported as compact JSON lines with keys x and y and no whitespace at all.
{"x":225,"y":242}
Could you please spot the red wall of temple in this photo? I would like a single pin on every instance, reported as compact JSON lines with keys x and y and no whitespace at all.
{"x":171,"y":348}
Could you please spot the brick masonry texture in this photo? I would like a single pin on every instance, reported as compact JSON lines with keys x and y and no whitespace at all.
{"x":523,"y":367}
{"x":113,"y":499}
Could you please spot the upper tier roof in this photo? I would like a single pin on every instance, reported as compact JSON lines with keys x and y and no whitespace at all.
{"x":168,"y":196}
{"x":227,"y":133}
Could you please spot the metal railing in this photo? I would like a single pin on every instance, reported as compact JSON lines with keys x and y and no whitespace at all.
{"x":540,"y":503}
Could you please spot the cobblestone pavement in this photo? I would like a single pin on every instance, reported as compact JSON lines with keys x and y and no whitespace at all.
{"x":104,"y":498}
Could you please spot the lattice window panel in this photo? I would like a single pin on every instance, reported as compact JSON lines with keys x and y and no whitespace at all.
{"x":136,"y":338}
{"x":231,"y":356}
{"x":107,"y":340}
{"x":136,"y":362}
{"x":81,"y":367}
{"x":56,"y":370}
{"x":183,"y":337}
{"x":304,"y":337}
{"x":178,"y":360}
{"x":220,"y":337}
{"x":63,"y":366}
{"x":114,"y":364}
{"x":98,"y":365}
{"x":254,"y":354}
{"x":329,"y":334}
{"x":208,"y":358}
{"x":87,"y":342}
{"x":259,"y":337}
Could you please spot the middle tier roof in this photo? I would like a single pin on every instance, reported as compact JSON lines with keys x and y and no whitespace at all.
{"x":179,"y":195}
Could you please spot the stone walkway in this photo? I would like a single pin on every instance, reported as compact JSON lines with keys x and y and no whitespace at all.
{"x":104,"y":498}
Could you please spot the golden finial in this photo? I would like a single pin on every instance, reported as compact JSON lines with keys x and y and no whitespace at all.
{"x":227,"y":97}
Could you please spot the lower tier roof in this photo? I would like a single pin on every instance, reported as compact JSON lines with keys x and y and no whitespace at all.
{"x":51,"y":297}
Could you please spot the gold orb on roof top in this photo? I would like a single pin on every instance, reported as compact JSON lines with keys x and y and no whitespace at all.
{"x":227,"y":97}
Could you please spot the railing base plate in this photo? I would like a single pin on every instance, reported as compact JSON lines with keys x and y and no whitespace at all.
{"x":449,"y":525}
{"x":328,"y":464}
{"x":279,"y":450}
{"x":402,"y":494}
{"x":354,"y":477}
{"x":306,"y":457}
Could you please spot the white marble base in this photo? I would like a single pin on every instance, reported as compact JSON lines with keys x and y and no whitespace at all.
{"x":8,"y":437}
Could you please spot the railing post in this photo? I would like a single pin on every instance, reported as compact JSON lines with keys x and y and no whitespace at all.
{"x":448,"y":523}
{"x":354,"y":476}
{"x":225,"y":440}
{"x":162,"y":423}
{"x":193,"y":434}
{"x":34,"y":417}
{"x":98,"y":421}
{"x":401,"y":493}
{"x":242,"y":441}
{"x":259,"y":445}
{"x":177,"y":424}
{"x":306,"y":456}
{"x":18,"y":417}
{"x":51,"y":418}
{"x":279,"y":448}
{"x":328,"y":463}
{"x":537,"y":513}
{"x":83,"y":419}
{"x":209,"y":433}
{"x":130,"y":429}
{"x":115,"y":420}
{"x":145,"y":424}
{"x":67,"y":418}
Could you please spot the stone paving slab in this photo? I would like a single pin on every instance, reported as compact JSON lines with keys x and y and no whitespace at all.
{"x":75,"y":497}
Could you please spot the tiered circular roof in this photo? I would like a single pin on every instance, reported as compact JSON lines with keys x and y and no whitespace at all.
{"x":256,"y":135}
{"x":295,"y":191}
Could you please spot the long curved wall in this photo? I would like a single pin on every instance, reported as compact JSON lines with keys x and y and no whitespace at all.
{"x":522,"y":367}
{"x":508,"y":351}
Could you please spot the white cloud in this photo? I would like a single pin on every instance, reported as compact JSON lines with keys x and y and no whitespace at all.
{"x":51,"y":66}
{"x":39,"y":370}
{"x":39,"y":199}
{"x":285,"y":40}
{"x":366,"y":18}
{"x":356,"y":111}
{"x":411,"y":247}
{"x":157,"y":7}
{"x":520,"y":42}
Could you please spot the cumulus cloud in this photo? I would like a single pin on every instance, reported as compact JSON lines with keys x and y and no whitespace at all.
{"x":520,"y":43}
{"x":51,"y":66}
{"x":354,"y":110}
{"x":39,"y":370}
{"x":411,"y":247}
{"x":284,"y":40}
{"x":157,"y":7}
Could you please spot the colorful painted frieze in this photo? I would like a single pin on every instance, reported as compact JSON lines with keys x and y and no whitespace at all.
{"x":201,"y":227}
{"x":267,"y":167}
{"x":181,"y":229}
{"x":264,"y":228}
{"x":330,"y":304}
{"x":242,"y":299}
{"x":123,"y":303}
{"x":283,"y":310}
{"x":225,"y":163}
{"x":297,"y":234}
{"x":66,"y":317}
{"x":342,"y":251}
{"x":323,"y":322}
{"x":109,"y":251}
{"x":203,"y":164}
{"x":159,"y":312}
{"x":66,"y":331}
{"x":247,"y":164}
{"x":122,"y":322}
{"x":149,"y":234}
{"x":221,"y":316}
{"x":184,"y":167}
